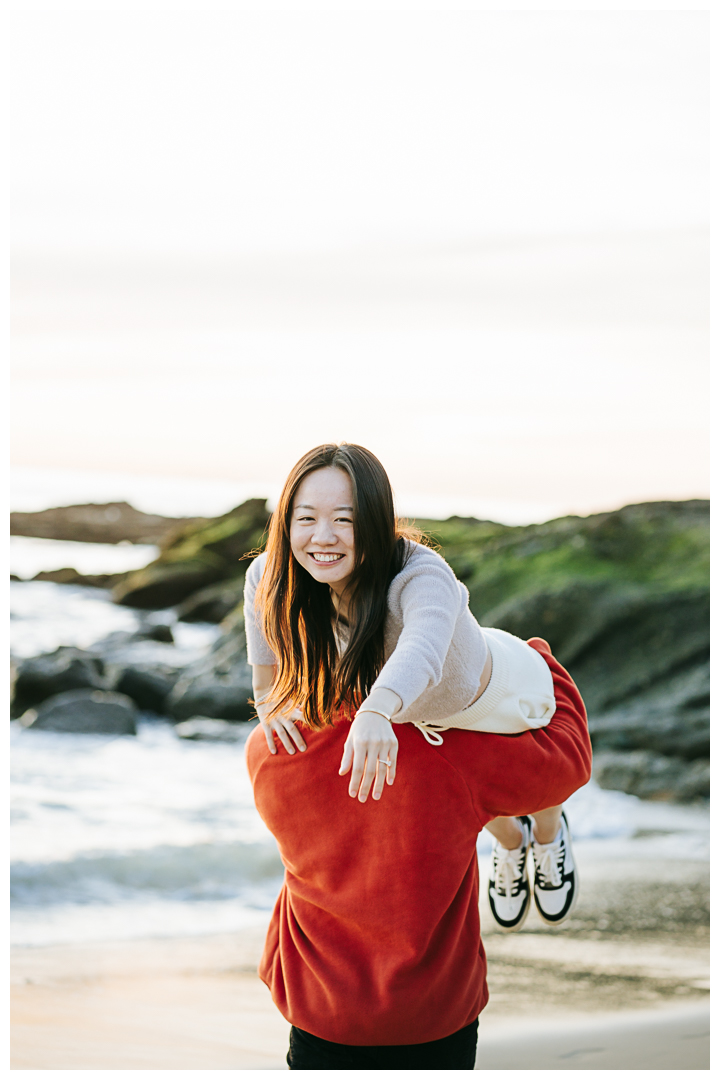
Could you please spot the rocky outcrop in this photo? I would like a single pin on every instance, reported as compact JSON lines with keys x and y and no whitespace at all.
{"x":97,"y":712}
{"x":195,"y":557}
{"x":69,"y":576}
{"x":42,"y":677}
{"x":652,"y":776}
{"x":146,"y":632}
{"x":163,"y":586}
{"x":92,"y":523}
{"x":104,"y":667}
{"x":147,"y":684}
{"x":671,"y":716}
{"x":639,"y":657}
{"x":212,"y":604}
{"x":219,"y":685}
{"x":623,"y":600}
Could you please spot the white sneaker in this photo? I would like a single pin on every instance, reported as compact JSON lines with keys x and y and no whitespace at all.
{"x":509,"y":887}
{"x":556,"y":884}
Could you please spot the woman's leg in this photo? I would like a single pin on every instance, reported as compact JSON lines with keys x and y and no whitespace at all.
{"x":508,"y":833}
{"x":547,"y":824}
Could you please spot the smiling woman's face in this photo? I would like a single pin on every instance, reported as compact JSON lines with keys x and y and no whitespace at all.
{"x":321,"y":527}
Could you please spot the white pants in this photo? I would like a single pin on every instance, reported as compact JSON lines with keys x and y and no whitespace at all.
{"x":518,"y":697}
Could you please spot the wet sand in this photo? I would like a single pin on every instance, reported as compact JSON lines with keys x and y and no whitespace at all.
{"x":623,"y":985}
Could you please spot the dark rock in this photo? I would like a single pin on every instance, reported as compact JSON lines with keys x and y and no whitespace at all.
{"x":107,"y":523}
{"x":208,"y":730}
{"x":644,"y":642}
{"x":213,"y":603}
{"x":108,"y":665}
{"x":615,"y":639}
{"x":41,"y":677}
{"x":116,"y":642}
{"x":14,"y":577}
{"x":164,"y":585}
{"x":69,"y":576}
{"x":196,"y":556}
{"x":147,"y":684}
{"x":227,"y":698}
{"x":652,"y":776}
{"x":14,"y":667}
{"x":672,"y":717}
{"x":155,"y":632}
{"x":569,"y":617}
{"x":101,"y":712}
{"x":218,"y":685}
{"x":639,"y":658}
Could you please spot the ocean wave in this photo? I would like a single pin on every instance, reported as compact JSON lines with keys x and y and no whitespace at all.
{"x":195,"y":872}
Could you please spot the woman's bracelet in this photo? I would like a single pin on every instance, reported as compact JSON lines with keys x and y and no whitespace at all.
{"x":378,"y":712}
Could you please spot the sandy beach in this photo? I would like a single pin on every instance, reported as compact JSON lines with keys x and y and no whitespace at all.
{"x":623,"y":985}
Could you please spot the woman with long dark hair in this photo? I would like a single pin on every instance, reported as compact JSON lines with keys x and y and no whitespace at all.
{"x":350,"y":615}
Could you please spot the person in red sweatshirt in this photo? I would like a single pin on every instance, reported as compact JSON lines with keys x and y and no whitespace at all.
{"x":374,"y":952}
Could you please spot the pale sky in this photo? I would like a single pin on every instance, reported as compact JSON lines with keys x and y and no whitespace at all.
{"x":214,"y":131}
{"x":475,"y":242}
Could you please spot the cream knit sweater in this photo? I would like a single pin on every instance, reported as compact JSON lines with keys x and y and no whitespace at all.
{"x":435,"y":651}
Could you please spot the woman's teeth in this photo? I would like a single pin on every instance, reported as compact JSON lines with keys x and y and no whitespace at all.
{"x":326,"y":558}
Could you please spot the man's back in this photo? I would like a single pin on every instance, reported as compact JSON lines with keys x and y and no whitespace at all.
{"x":375,"y":939}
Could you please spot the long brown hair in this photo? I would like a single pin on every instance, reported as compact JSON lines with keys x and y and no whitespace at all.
{"x":297,"y":613}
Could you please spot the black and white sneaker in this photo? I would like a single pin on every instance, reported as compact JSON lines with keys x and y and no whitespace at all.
{"x":509,"y":887}
{"x":556,"y":879}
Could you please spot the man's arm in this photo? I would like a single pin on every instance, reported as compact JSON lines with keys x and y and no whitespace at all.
{"x":530,"y":772}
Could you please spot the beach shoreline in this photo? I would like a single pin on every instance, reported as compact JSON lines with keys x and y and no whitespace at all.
{"x":197,"y":1003}
{"x":631,"y":995}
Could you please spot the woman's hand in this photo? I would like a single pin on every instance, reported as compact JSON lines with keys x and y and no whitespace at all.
{"x":369,"y":747}
{"x":283,"y":725}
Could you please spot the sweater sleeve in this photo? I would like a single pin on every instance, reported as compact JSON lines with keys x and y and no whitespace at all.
{"x":258,"y":650}
{"x":430,"y":602}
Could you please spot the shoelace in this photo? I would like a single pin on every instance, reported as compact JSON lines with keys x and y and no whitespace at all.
{"x":549,"y":865}
{"x":508,"y":871}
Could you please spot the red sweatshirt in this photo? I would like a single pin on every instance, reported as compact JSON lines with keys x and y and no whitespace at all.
{"x":375,"y":937}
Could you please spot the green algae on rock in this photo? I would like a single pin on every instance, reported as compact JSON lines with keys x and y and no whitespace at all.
{"x":196,"y":556}
{"x":623,"y":600}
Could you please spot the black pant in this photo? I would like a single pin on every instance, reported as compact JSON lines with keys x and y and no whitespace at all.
{"x":456,"y":1051}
